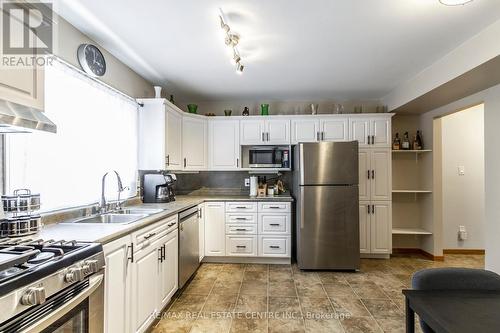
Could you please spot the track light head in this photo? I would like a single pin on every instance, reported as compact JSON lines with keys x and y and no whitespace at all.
{"x":239,"y":68}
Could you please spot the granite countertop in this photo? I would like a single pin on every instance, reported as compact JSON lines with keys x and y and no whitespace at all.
{"x":105,"y":233}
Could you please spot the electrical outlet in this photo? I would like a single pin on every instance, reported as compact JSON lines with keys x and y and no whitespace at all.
{"x":462,"y":233}
{"x":461,"y":170}
{"x":247,"y":182}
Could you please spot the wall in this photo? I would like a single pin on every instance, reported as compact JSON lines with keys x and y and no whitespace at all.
{"x":491,"y":100}
{"x":463,"y":196}
{"x":118,"y":75}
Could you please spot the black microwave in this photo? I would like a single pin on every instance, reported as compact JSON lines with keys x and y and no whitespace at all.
{"x":269,"y":157}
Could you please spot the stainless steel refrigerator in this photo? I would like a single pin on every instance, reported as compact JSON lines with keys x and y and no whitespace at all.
{"x":326,"y":190}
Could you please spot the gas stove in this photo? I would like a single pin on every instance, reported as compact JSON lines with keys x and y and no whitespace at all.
{"x":33,"y":271}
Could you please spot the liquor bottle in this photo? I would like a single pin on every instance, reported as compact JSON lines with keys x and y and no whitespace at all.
{"x":405,"y":145}
{"x":420,"y":143}
{"x":396,"y":143}
{"x":414,"y":143}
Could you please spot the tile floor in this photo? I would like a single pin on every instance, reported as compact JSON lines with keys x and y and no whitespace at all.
{"x":281,"y":298}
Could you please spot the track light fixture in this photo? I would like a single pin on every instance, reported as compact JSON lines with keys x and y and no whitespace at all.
{"x":455,"y":2}
{"x":231,"y":40}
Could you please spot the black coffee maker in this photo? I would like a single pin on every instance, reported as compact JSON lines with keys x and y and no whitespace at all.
{"x":158,"y":188}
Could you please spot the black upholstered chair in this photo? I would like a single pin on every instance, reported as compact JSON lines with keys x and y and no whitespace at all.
{"x":454,"y":279}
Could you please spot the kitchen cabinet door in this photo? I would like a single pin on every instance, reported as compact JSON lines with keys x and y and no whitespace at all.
{"x":364,"y":227}
{"x":278,"y":131}
{"x":381,"y":179}
{"x":194,"y":143}
{"x":224,"y":144}
{"x":215,"y":229}
{"x":381,"y":132}
{"x":381,"y":227}
{"x":168,"y":277}
{"x":152,"y":140}
{"x":334,"y":129}
{"x":201,"y":230}
{"x":173,"y":137}
{"x":360,"y":130}
{"x":305,"y":130}
{"x":117,"y":285}
{"x":144,"y":287}
{"x":364,"y":159}
{"x":252,"y":132}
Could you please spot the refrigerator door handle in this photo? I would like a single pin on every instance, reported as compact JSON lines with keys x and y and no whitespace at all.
{"x":301,"y":203}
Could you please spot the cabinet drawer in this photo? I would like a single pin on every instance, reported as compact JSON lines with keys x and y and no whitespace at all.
{"x":243,"y":207}
{"x":274,"y":246}
{"x":151,"y":233}
{"x":241,"y":229}
{"x":241,"y":245}
{"x":238,"y":218}
{"x":270,"y":223}
{"x":274,"y":207}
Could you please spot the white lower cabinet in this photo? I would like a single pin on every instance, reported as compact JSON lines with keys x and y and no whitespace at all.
{"x":215,"y":229}
{"x":241,"y":245}
{"x":274,"y":246}
{"x":274,"y":223}
{"x":375,"y":227}
{"x":141,"y":276}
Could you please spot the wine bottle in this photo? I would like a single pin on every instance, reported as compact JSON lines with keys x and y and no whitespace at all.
{"x":396,"y":143}
{"x":406,"y":142}
{"x":420,"y":143}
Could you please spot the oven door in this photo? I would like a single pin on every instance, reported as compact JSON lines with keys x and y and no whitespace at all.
{"x":263,"y":158}
{"x":76,"y":309}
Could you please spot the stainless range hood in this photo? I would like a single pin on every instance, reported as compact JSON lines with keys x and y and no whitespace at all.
{"x":16,"y":118}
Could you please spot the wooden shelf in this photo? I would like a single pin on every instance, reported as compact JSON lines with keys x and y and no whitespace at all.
{"x":413,"y":151}
{"x":410,"y":231}
{"x":411,"y":191}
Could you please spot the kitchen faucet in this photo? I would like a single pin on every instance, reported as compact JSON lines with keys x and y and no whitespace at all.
{"x":103,"y":204}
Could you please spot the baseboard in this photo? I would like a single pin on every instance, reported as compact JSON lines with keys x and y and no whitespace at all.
{"x":417,"y":251}
{"x":249,"y":260}
{"x":374,"y":256}
{"x":464,"y":251}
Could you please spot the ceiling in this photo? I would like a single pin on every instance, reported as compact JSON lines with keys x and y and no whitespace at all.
{"x":291,"y":49}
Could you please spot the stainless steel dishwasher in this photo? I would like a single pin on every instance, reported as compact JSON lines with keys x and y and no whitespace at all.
{"x":188,"y":244}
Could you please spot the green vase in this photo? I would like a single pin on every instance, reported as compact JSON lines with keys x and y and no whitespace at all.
{"x":264,"y":109}
{"x":192,"y":108}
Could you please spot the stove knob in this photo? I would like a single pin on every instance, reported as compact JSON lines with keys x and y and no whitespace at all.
{"x":90,"y":266}
{"x":74,"y":275}
{"x":33,"y":296}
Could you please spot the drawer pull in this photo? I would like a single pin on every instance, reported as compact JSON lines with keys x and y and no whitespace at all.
{"x":241,"y":207}
{"x":240,"y":218}
{"x":275,"y":224}
{"x":241,"y":246}
{"x":148,"y":236}
{"x":241,"y":230}
{"x":171,"y":224}
{"x":274,"y":247}
{"x":274,"y":207}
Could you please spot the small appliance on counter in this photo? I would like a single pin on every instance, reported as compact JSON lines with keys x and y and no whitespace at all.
{"x":19,"y":219}
{"x":158,"y":188}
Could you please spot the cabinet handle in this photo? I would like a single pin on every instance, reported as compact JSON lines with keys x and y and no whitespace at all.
{"x":160,"y":254}
{"x":240,"y":218}
{"x":131,"y":247}
{"x":163,"y":253}
{"x":241,"y":207}
{"x":373,"y":209}
{"x":368,"y":174}
{"x":240,"y":246}
{"x":185,"y":162}
{"x":241,"y":230}
{"x":274,"y":207}
{"x":373,"y":139}
{"x":168,"y":160}
{"x":274,"y":247}
{"x":368,"y":206}
{"x":274,"y":224}
{"x":322,"y":136}
{"x":237,"y":162}
{"x":373,"y":174}
{"x":170,"y":224}
{"x":148,"y":236}
{"x":263,"y":136}
{"x":368,"y":138}
{"x":317,"y":136}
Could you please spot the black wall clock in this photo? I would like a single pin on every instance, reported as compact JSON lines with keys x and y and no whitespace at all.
{"x":91,"y":60}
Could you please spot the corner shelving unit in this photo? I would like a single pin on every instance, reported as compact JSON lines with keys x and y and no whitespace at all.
{"x":411,"y":192}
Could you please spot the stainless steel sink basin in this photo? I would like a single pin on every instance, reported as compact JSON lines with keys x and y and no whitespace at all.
{"x":112,"y":218}
{"x":134,"y":211}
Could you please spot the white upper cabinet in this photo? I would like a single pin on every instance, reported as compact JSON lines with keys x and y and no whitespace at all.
{"x":265,"y":132}
{"x":173,"y":139}
{"x":224,"y":144}
{"x":278,"y":131}
{"x":374,"y":131}
{"x":152,"y":120}
{"x":381,"y":179}
{"x":194,"y":143}
{"x":305,"y":130}
{"x":364,"y":174}
{"x":334,"y":129}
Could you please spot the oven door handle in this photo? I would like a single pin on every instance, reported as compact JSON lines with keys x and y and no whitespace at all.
{"x":94,"y":282}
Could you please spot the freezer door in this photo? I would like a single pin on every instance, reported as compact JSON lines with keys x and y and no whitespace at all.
{"x":328,"y":163}
{"x":328,"y":227}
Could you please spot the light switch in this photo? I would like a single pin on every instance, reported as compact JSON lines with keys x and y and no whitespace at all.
{"x":461,"y":170}
{"x":247,"y":182}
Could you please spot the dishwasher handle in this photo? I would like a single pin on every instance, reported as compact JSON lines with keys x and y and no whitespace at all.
{"x":188,"y":213}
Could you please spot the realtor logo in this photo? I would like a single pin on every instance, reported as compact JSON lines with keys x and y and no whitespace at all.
{"x":27,"y":28}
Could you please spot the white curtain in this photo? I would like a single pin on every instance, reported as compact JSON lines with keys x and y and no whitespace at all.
{"x":96,"y":133}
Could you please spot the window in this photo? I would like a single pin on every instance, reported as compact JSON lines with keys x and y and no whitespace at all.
{"x":96,"y":133}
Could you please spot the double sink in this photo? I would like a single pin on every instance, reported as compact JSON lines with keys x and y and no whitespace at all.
{"x":121,"y":216}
